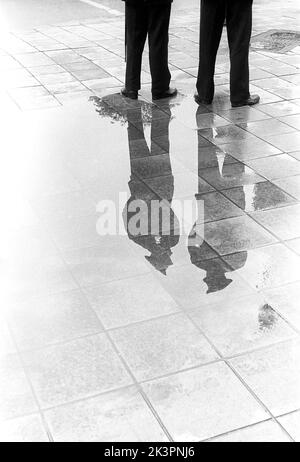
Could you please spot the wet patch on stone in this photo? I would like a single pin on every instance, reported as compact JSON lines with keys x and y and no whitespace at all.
{"x":277,"y":41}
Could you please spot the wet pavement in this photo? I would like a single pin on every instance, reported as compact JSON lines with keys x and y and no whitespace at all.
{"x":194,"y":332}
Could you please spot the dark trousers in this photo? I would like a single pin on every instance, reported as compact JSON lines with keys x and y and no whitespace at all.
{"x":238,"y":15}
{"x":151,"y":20}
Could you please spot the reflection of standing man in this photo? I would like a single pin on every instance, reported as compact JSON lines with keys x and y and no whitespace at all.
{"x":215,"y":268}
{"x":162,"y":230}
{"x":148,"y":18}
{"x":238,"y":15}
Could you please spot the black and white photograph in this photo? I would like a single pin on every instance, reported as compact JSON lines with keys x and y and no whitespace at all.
{"x":150,"y":224}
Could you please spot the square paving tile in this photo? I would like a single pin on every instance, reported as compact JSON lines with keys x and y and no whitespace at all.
{"x":203,"y":403}
{"x":114,"y":259}
{"x":180,"y":186}
{"x":285,"y":300}
{"x":151,"y":167}
{"x":55,"y":181}
{"x":291,"y":185}
{"x":213,"y":156}
{"x":53,"y":207}
{"x":52,"y":69}
{"x":27,"y":429}
{"x":292,"y":120}
{"x":7,"y":345}
{"x":274,"y":376}
{"x":90,"y":74}
{"x":267,"y":127}
{"x":294,"y":244}
{"x":244,"y":115}
{"x":32,"y":278}
{"x":36,"y":102}
{"x":295,"y":154}
{"x":265,"y":432}
{"x":210,"y":120}
{"x":230,"y":176}
{"x":48,"y":320}
{"x":266,"y":267}
{"x":282,"y":108}
{"x":285,"y":142}
{"x":56,"y":78}
{"x":283,"y":222}
{"x":202,"y":158}
{"x":28,"y":94}
{"x":18,"y":78}
{"x":223,"y":135}
{"x":284,"y":89}
{"x":102,"y":84}
{"x":73,"y":232}
{"x":217,"y":207}
{"x":26,"y":243}
{"x":9,"y":63}
{"x":241,"y":325}
{"x":265,"y":96}
{"x":291,"y":422}
{"x":236,"y":235}
{"x":132,"y":300}
{"x":75,"y":370}
{"x":275,"y":167}
{"x":259,"y":196}
{"x":64,"y":56}
{"x":115,"y":417}
{"x":162,"y":346}
{"x":254,"y":149}
{"x":293,"y":78}
{"x":138,"y":148}
{"x":16,"y":398}
{"x":34,"y":59}
{"x":65,"y":87}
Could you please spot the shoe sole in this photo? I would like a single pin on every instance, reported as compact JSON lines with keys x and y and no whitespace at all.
{"x":130,"y":97}
{"x":244,"y":104}
{"x":202,"y":101}
{"x":156,"y":98}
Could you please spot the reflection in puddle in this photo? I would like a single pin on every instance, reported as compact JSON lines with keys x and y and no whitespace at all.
{"x":151,"y":159}
{"x":152,"y":162}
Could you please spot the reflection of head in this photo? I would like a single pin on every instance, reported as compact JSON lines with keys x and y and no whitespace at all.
{"x":152,"y":228}
{"x":161,"y":253}
{"x":216,"y":282}
{"x":215,"y":268}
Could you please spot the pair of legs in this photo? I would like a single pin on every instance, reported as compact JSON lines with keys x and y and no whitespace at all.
{"x":238,"y":15}
{"x":152,"y":21}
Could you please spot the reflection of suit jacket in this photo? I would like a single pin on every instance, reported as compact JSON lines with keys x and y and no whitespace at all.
{"x":159,"y":245}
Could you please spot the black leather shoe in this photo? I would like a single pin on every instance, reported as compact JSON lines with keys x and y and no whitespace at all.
{"x":132,"y":94}
{"x":200,"y":100}
{"x":170,"y":93}
{"x":251,"y":101}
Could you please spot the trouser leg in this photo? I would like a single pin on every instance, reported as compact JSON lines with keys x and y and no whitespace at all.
{"x":136,"y":20}
{"x":158,"y":36}
{"x":211,"y":27}
{"x":239,"y":28}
